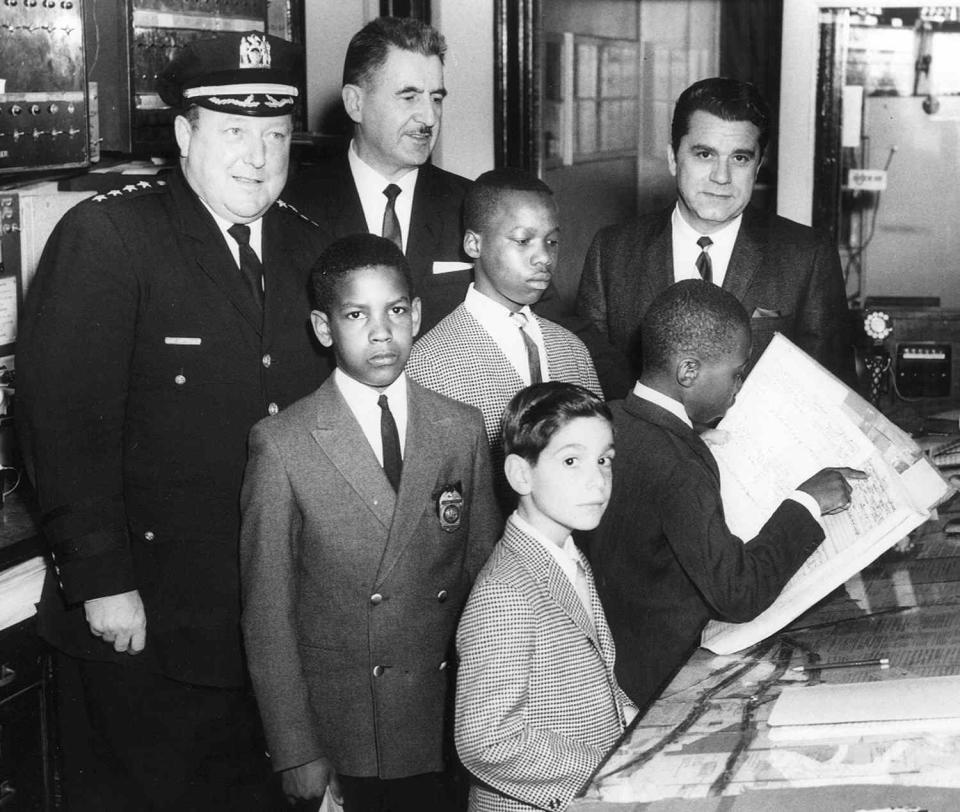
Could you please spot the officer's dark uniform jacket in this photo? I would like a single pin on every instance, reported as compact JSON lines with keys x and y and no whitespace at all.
{"x":142,"y":364}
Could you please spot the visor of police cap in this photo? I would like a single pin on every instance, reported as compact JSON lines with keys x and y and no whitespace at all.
{"x":243,"y":73}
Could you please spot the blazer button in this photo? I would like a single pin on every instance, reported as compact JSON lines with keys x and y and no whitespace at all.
{"x":180,"y":380}
{"x":378,"y":671}
{"x":272,"y":409}
{"x":149,"y":536}
{"x":442,"y":595}
{"x":376,"y":599}
{"x":267,"y":360}
{"x":442,"y":666}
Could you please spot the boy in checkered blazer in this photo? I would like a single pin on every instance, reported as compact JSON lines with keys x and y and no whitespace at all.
{"x":492,"y":344}
{"x":537,"y":703}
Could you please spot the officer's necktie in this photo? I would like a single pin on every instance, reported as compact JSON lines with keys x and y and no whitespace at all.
{"x":704,"y":265}
{"x":533,"y":352}
{"x":250,"y":267}
{"x":391,"y":224}
{"x":390,"y":437}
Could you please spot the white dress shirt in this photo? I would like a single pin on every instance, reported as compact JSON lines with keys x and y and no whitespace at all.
{"x":362,"y":400}
{"x":256,"y":235}
{"x":495,"y":319}
{"x":370,"y":185}
{"x":686,"y":250}
{"x":675,"y":407}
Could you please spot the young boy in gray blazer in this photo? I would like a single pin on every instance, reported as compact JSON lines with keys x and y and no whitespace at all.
{"x":367,"y":512}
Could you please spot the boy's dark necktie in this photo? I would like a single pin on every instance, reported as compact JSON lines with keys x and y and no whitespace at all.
{"x":704,"y":265}
{"x":250,"y":267}
{"x":390,"y":437}
{"x":533,"y":352}
{"x":391,"y":223}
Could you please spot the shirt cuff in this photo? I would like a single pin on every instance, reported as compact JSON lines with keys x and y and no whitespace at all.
{"x":808,"y":502}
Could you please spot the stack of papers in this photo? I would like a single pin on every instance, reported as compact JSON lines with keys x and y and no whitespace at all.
{"x":20,"y":588}
{"x":791,"y":419}
{"x":892,"y":707}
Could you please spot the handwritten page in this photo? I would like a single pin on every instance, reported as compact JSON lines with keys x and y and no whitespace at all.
{"x":791,"y":419}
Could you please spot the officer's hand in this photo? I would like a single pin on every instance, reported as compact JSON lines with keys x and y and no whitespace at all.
{"x":831,"y":489}
{"x":310,"y":781}
{"x":119,"y":620}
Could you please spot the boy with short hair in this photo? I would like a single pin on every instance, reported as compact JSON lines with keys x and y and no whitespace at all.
{"x":493,"y":345}
{"x":666,"y":562}
{"x":367,"y":512}
{"x":538,"y":705}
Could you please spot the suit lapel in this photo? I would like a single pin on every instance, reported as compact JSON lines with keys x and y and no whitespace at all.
{"x":340,"y":437}
{"x":426,"y":224}
{"x":424,"y":447}
{"x":746,"y":258}
{"x":652,"y":263}
{"x":544,"y":569}
{"x":658,"y":416}
{"x":279,"y":283}
{"x":212,"y":254}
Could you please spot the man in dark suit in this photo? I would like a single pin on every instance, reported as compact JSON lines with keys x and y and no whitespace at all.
{"x":393,"y":92}
{"x":786,"y":275}
{"x":163,"y":322}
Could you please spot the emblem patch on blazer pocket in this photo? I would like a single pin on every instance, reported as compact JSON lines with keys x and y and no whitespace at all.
{"x":450,"y":506}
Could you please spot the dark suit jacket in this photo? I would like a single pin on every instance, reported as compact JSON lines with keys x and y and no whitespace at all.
{"x":351,"y":593}
{"x":142,"y":362}
{"x":326,"y":193}
{"x":665,"y":562}
{"x":786,"y":276}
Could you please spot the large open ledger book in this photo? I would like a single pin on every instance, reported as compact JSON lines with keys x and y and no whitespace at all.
{"x":791,"y":419}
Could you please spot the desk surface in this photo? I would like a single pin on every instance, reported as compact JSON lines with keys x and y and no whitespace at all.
{"x":704,"y":744}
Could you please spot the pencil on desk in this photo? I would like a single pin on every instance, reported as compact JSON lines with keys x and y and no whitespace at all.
{"x":882,"y":662}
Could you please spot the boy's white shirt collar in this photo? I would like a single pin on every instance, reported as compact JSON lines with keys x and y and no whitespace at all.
{"x":675,"y":407}
{"x":567,"y":556}
{"x":362,"y":400}
{"x":495,"y":319}
{"x":370,"y":185}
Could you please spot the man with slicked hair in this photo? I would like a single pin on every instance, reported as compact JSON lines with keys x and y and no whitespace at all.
{"x":786,"y":275}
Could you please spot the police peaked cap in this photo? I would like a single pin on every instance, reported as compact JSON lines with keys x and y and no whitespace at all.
{"x":245,"y":73}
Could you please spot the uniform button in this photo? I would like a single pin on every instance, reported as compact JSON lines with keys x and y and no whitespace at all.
{"x":378,"y":671}
{"x":442,"y":666}
{"x":272,"y":409}
{"x":149,"y":535}
{"x":442,"y":595}
{"x":376,"y":599}
{"x":267,"y":360}
{"x":180,"y":380}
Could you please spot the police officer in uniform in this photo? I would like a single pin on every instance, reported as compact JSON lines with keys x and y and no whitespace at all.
{"x":164,"y":320}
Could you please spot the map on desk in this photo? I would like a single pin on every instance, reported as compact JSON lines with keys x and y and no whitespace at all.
{"x":791,"y":419}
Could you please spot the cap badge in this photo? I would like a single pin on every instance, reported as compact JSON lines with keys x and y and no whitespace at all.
{"x":254,"y":51}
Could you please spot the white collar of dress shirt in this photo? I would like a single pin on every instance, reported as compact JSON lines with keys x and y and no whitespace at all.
{"x":686,"y":250}
{"x":722,"y":238}
{"x":495,"y":319}
{"x":675,"y":407}
{"x":362,"y":400}
{"x":370,"y":185}
{"x":567,"y":556}
{"x":256,"y":234}
{"x":490,"y":312}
